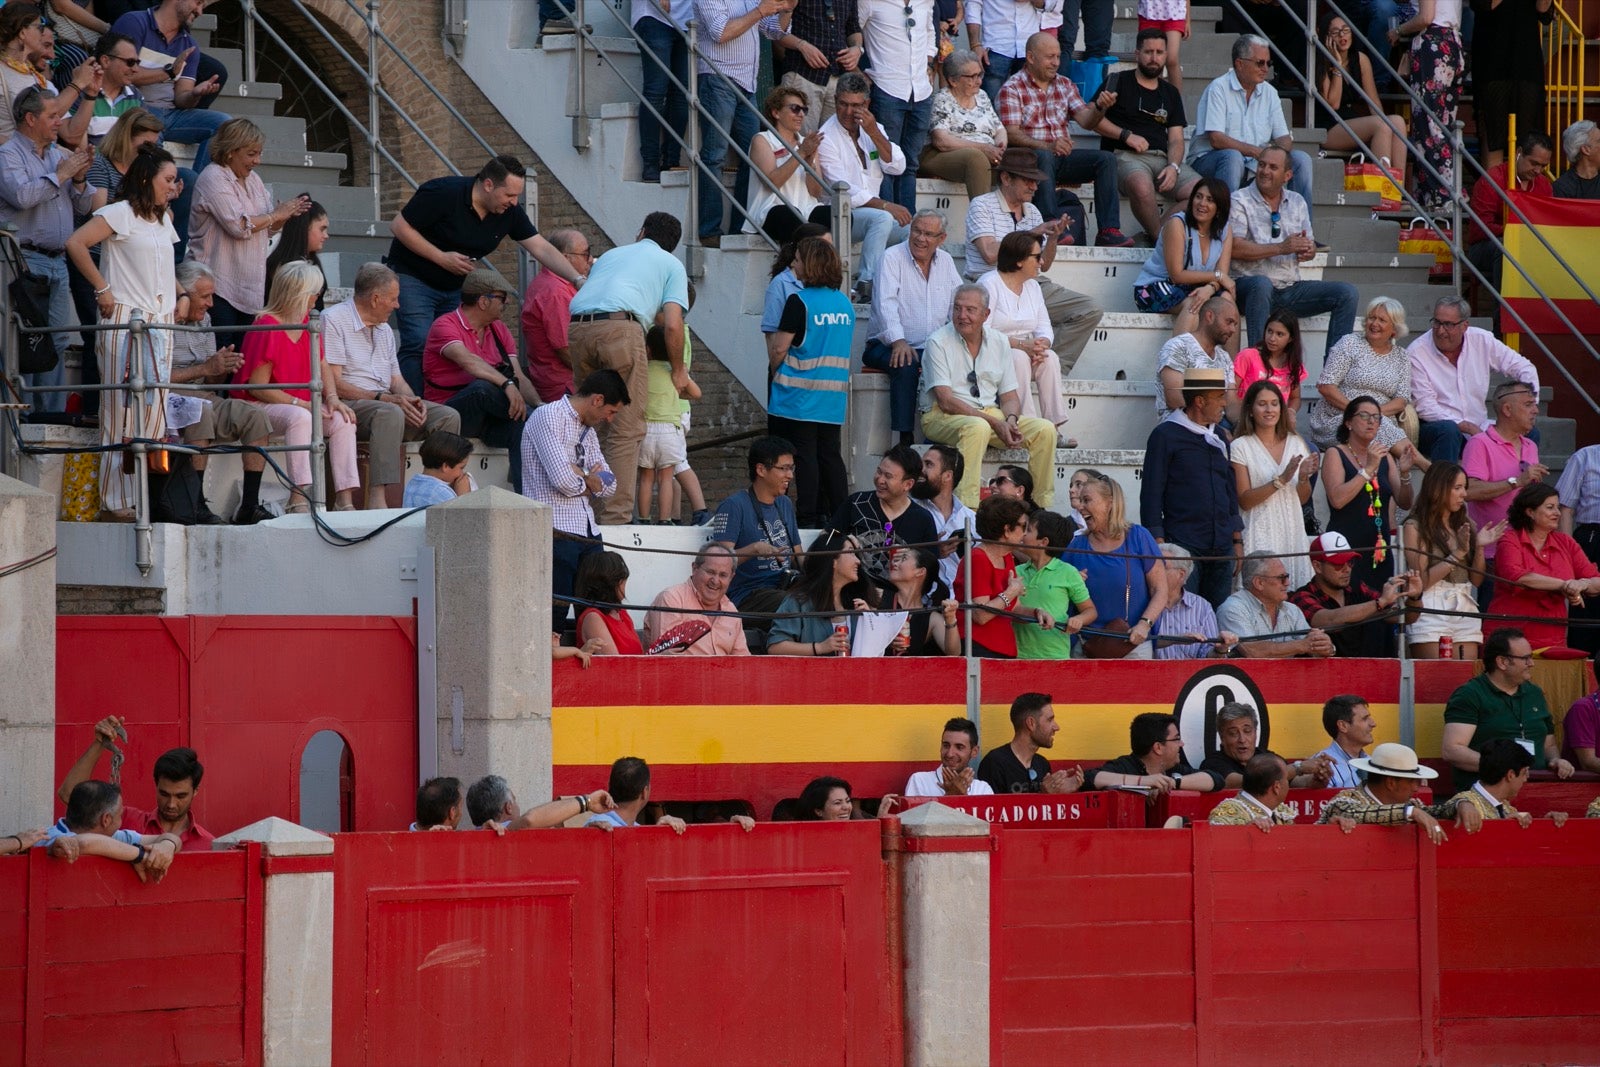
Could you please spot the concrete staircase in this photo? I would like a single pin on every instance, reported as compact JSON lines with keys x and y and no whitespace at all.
{"x":1111,"y":391}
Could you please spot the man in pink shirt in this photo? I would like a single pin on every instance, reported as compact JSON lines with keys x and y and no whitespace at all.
{"x":706,"y":590}
{"x":546,"y":310}
{"x":177,"y":773}
{"x":1501,"y":460}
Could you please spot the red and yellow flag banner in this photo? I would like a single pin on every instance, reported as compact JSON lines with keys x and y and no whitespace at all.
{"x":1572,"y":228}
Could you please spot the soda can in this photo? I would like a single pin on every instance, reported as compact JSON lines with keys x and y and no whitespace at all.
{"x":1447,"y":647}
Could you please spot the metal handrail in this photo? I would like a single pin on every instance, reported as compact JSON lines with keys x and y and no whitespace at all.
{"x":1459,"y":206}
{"x":1566,"y":51}
{"x":698,"y":171}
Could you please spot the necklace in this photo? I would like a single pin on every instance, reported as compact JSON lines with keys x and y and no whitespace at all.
{"x":24,"y":67}
{"x":1380,"y":551}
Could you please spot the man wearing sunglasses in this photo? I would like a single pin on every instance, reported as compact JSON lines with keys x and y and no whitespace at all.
{"x":1239,"y":115}
{"x":970,"y":397}
{"x":1271,"y":238}
{"x":1450,"y":367}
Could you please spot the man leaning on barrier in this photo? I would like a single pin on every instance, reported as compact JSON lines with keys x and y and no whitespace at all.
{"x":1260,"y":802}
{"x":1156,"y":763}
{"x":1394,"y":775}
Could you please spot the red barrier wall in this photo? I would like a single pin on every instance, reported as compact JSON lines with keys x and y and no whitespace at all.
{"x":1196,"y":807}
{"x":247,"y":692}
{"x":1211,"y":947}
{"x":1080,"y":811}
{"x":1519,"y":949}
{"x":638,"y":946}
{"x":97,"y":967}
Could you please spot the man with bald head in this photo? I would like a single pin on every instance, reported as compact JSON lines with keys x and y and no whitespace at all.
{"x":546,"y":311}
{"x":706,"y":590}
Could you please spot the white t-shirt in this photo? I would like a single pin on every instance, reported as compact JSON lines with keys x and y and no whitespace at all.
{"x":795,"y":191}
{"x":137,"y":260}
{"x":926,"y":784}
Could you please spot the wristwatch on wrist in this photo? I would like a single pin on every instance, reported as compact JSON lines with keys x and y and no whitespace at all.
{"x":171,"y":71}
{"x":508,"y":381}
{"x":1512,"y":482}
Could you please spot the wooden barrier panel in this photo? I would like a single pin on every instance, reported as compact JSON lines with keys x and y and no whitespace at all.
{"x":1092,"y":947}
{"x":470,"y":948}
{"x":1519,"y":949}
{"x":1078,"y":811}
{"x":1545,"y":793}
{"x":767,"y":947}
{"x":98,"y":967}
{"x":1196,"y":807}
{"x":1313,"y":946}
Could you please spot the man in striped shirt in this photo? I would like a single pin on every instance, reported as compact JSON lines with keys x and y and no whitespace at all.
{"x":1188,"y":614}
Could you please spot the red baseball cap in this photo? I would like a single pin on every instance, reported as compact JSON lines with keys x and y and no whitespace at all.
{"x":1332,"y":548}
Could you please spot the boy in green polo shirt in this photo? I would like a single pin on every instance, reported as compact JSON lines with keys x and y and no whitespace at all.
{"x":1050,"y":584}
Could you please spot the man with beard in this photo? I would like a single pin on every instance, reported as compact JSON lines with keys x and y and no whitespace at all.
{"x":954,"y":776}
{"x":1359,"y":620}
{"x":942,"y":469}
{"x":1017,"y":767}
{"x":1145,"y":130}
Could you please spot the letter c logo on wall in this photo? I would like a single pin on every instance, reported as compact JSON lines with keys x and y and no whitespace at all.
{"x":1203,"y":695}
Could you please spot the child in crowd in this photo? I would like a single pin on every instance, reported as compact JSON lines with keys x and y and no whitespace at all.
{"x":665,"y":449}
{"x":444,"y":471}
{"x":1172,"y":18}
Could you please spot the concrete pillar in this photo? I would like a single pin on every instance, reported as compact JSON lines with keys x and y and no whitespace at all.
{"x":492,"y":566}
{"x":28,"y":664}
{"x":297,"y":979}
{"x":945,"y":921}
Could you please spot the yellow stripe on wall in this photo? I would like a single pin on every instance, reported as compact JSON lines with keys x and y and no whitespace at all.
{"x":870,"y":733}
{"x":1577,"y":246}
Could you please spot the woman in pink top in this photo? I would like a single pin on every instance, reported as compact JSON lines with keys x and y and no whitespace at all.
{"x":1280,"y":360}
{"x":284,"y":356}
{"x":231,"y":222}
{"x":1538,"y":569}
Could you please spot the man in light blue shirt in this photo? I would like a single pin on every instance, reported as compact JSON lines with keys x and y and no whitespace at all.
{"x":1240,"y":113}
{"x":92,"y":827}
{"x":629,"y":787}
{"x":1349,"y":722}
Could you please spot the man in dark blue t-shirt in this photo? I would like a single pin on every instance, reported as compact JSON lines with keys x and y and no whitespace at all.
{"x":759,"y":523}
{"x":447,"y":227}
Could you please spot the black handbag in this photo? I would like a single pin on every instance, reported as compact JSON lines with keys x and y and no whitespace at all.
{"x":30,"y":306}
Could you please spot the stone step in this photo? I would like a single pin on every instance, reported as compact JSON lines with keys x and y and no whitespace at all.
{"x":301,"y":168}
{"x":1126,"y":344}
{"x":249,"y":98}
{"x":359,"y":235}
{"x":1125,"y":466}
{"x":232,"y":60}
{"x":1202,"y":21}
{"x":339,"y":266}
{"x":340,"y":201}
{"x":1359,"y":235}
{"x":283,"y":133}
{"x":201,"y":30}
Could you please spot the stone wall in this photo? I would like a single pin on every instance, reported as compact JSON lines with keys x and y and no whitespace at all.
{"x":416,"y":27}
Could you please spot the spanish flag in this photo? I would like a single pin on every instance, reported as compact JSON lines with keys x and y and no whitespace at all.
{"x":1572,"y":227}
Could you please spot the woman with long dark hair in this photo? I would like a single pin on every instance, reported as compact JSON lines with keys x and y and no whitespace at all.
{"x":1443,"y":546}
{"x":915,"y":587}
{"x":1279,"y":359}
{"x":1539,"y":570}
{"x":1362,"y":479}
{"x":301,"y":239}
{"x":1193,"y":250}
{"x":832,"y":583}
{"x":602,"y":579}
{"x":1272,"y":469}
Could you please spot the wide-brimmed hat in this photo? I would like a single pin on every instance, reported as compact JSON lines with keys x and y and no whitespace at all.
{"x":1394,"y":760}
{"x":1333,"y":548}
{"x":1205,"y":380}
{"x":1022,"y":163}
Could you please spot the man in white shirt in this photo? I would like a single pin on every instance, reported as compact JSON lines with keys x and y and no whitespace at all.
{"x":1073,"y":316}
{"x":942,"y":470}
{"x":910,"y":295}
{"x":362,"y":356}
{"x":901,"y":38}
{"x":1206,"y":346}
{"x":1261,"y":607}
{"x":1239,"y":115}
{"x":954,"y":776}
{"x":970,"y":397}
{"x":1450,"y":367}
{"x":855,"y":150}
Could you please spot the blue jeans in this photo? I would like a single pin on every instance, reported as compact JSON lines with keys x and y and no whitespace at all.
{"x":1082,"y":165}
{"x":565,"y":556}
{"x":1258,"y":299}
{"x":420,"y":305}
{"x":486,"y":415}
{"x":189,"y":125}
{"x":876,"y":229}
{"x":180,"y":212}
{"x":1097,"y":16}
{"x":1372,"y":17}
{"x":905,"y":124}
{"x":728,"y":112}
{"x":1211,"y":580}
{"x":551,"y":9}
{"x":995,"y":74}
{"x":54,"y":268}
{"x":902,"y":384}
{"x":668,"y":45}
{"x":1227,"y":164}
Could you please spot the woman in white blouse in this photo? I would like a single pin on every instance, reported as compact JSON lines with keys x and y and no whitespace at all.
{"x":967,"y":137}
{"x":798,"y":198}
{"x":1016,"y":309}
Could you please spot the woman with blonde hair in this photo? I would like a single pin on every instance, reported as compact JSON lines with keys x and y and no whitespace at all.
{"x":1370,"y":363}
{"x":132,"y":131}
{"x":232,"y":220}
{"x":1124,"y":571}
{"x":280,"y":361}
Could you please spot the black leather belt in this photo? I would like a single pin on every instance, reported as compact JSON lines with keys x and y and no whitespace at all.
{"x":53,"y":253}
{"x":598,"y":316}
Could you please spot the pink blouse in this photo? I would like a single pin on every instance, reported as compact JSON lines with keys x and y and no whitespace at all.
{"x":218,"y":234}
{"x":1249,"y":368}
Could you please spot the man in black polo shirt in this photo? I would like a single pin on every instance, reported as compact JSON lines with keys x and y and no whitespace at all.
{"x":1156,"y":763}
{"x":442,"y":233}
{"x":1018,"y":767}
{"x":1359,"y":620}
{"x":1145,"y":129}
{"x":886,"y":515}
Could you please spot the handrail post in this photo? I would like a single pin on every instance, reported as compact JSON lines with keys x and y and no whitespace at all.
{"x":691,"y":237}
{"x":1455,"y":202}
{"x":842,"y":224}
{"x":580,"y":121}
{"x":249,"y":40}
{"x":138,"y":338}
{"x":373,"y":176}
{"x":319,"y":445}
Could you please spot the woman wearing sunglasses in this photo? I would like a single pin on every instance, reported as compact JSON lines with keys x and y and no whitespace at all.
{"x":785,"y":196}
